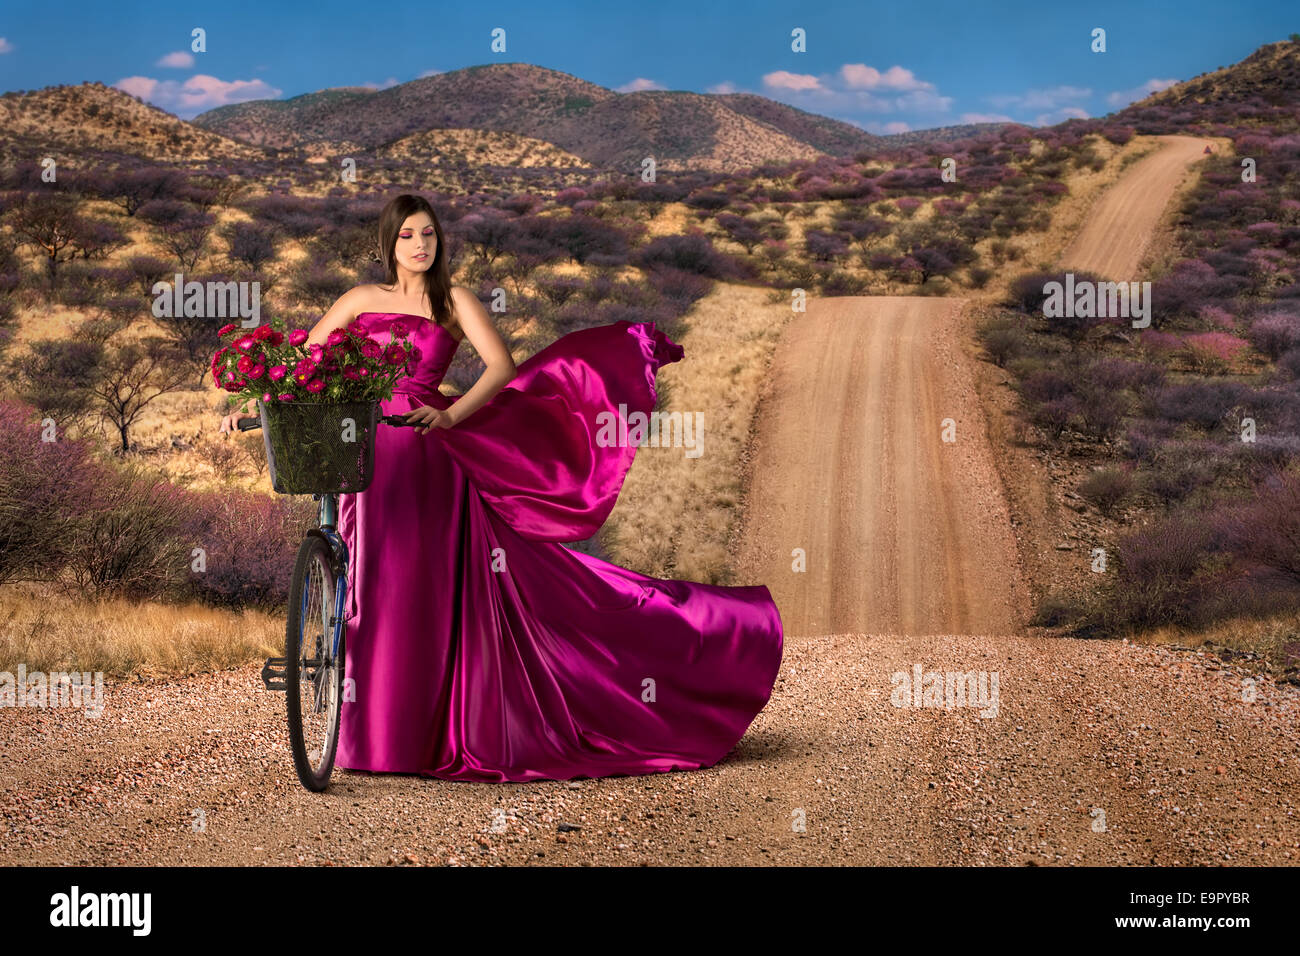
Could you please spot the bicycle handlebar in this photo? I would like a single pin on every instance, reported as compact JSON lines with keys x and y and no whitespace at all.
{"x":398,"y":421}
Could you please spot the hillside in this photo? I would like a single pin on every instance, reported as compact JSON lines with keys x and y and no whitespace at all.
{"x":680,"y":129}
{"x":1262,"y":89}
{"x":97,"y":118}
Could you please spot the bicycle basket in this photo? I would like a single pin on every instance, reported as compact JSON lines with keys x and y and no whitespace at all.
{"x":319,"y":448}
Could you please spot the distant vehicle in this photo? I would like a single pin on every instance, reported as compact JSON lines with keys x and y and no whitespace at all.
{"x":1209,"y":149}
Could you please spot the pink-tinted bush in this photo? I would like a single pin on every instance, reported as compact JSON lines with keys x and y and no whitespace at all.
{"x":1275,"y":332}
{"x":1213,"y":351}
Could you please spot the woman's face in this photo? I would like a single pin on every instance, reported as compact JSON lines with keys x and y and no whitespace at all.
{"x":417,"y":243}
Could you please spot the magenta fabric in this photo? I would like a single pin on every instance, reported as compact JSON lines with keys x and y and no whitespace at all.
{"x":479,"y":647}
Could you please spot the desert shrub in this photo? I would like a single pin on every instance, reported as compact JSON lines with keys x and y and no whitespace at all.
{"x":1004,"y":342}
{"x":1056,"y":415}
{"x":1203,"y":404}
{"x":1108,"y":488}
{"x":1118,"y":373}
{"x":1176,"y":476}
{"x":1212,"y":352}
{"x":1056,"y":609}
{"x":1275,"y":333}
{"x":1265,"y":531}
{"x":1046,"y":385}
{"x":249,"y":541}
{"x":1160,"y":571}
{"x":127,"y":542}
{"x":45,"y":487}
{"x":694,"y":254}
{"x":1101,"y":410}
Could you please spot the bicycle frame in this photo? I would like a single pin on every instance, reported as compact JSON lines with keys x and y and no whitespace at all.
{"x":327,"y":525}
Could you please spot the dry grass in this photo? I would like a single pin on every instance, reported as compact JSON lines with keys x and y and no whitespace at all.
{"x":50,"y":632}
{"x":1275,"y":639}
{"x":675,"y":514}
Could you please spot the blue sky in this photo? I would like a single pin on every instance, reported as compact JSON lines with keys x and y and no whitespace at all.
{"x":887,"y":67}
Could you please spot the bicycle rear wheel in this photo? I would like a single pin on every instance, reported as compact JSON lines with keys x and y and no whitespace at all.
{"x":313,"y":674}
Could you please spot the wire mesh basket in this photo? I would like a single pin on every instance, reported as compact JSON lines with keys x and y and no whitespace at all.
{"x":320,"y":448}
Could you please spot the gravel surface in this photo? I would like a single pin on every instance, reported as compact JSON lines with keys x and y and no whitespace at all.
{"x":1186,"y":771}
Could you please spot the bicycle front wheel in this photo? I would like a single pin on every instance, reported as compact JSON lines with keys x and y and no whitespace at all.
{"x":313,"y":673}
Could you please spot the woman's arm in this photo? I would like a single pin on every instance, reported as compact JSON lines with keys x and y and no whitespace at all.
{"x":482,"y":334}
{"x":340,"y":314}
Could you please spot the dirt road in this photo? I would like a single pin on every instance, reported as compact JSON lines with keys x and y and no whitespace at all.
{"x":1119,"y":227}
{"x":1088,"y":752}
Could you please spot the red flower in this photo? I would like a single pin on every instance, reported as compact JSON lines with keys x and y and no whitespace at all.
{"x":226,"y":329}
{"x":298,"y":336}
{"x":275,"y":338}
{"x":285,"y":397}
{"x":399,"y":330}
{"x":395,"y":355}
{"x":336,"y":338}
{"x":246,"y":343}
{"x":262,"y":333}
{"x":315,"y":385}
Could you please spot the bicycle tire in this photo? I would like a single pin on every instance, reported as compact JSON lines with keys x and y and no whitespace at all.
{"x":314,"y":554}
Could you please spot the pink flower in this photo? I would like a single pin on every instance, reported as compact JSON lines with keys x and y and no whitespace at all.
{"x":399,"y":330}
{"x":315,"y":385}
{"x":358,"y":329}
{"x":278,"y":372}
{"x":395,"y":355}
{"x":285,"y":397}
{"x":262,"y":333}
{"x":371,"y":349}
{"x":336,"y":338}
{"x":351,"y":373}
{"x":298,"y":336}
{"x":266,"y":396}
{"x":305,"y":366}
{"x":246,"y":343}
{"x":226,"y":329}
{"x":257,"y":371}
{"x":244,"y":364}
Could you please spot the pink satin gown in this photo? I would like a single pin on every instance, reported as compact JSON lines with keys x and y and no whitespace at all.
{"x":479,"y":647}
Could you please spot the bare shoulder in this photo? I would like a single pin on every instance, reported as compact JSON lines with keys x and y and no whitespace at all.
{"x":463,"y":301}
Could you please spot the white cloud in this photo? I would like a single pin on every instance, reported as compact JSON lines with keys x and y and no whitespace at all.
{"x":1049,"y":99}
{"x":180,"y":59}
{"x":1060,"y":116}
{"x":985,"y":118}
{"x":859,"y":76}
{"x":200,"y":92}
{"x":6,"y":46}
{"x":391,"y":81}
{"x":639,"y":84}
{"x":1125,"y":97}
{"x":858,"y":88}
{"x":724,"y":87}
{"x":429,"y":73}
{"x":794,"y":82}
{"x":923,"y":102}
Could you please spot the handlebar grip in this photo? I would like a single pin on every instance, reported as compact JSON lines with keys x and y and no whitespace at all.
{"x":248,"y":424}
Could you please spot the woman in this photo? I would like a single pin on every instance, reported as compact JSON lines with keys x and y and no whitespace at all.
{"x":479,"y":647}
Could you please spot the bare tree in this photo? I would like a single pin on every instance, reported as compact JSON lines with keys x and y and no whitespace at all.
{"x":132,"y":376}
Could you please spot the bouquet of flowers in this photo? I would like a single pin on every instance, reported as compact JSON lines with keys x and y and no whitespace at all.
{"x":319,"y":404}
{"x":266,"y":364}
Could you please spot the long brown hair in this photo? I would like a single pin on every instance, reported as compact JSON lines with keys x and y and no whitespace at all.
{"x":437,"y":278}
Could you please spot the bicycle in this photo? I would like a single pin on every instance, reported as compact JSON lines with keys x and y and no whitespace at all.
{"x":311,"y":671}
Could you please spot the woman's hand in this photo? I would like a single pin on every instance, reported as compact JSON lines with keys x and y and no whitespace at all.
{"x":431,"y":417}
{"x":231,"y":422}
